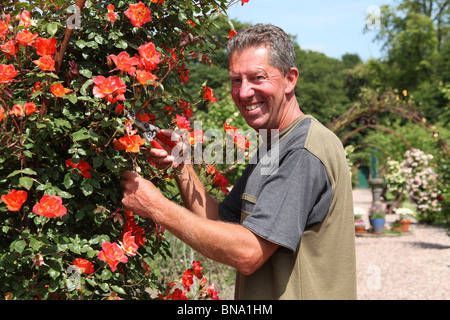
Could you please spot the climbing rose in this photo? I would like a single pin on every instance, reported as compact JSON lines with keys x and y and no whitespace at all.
{"x":4,"y":26}
{"x":26,"y":38}
{"x":112,"y":16}
{"x":83,"y":166}
{"x":58,"y":90}
{"x":25,"y":19}
{"x":222,"y":182}
{"x":138,"y":14}
{"x":85,"y":266}
{"x":14,"y":199}
{"x":46,"y":63}
{"x":50,"y":207}
{"x":9,"y":48}
{"x":124,"y":62}
{"x":232,"y":34}
{"x":146,"y":77}
{"x":182,"y":122}
{"x":208,"y":94}
{"x":197,"y":269}
{"x":149,"y":56}
{"x":112,"y":254}
{"x":129,"y":143}
{"x":188,"y":279}
{"x":22,"y":110}
{"x":113,"y":88}
{"x":128,"y":244}
{"x":7,"y":72}
{"x":45,"y":46}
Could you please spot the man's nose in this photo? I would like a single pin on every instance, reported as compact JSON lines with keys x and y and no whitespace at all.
{"x":246,"y":90}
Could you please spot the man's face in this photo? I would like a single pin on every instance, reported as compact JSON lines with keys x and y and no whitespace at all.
{"x":257,"y":88}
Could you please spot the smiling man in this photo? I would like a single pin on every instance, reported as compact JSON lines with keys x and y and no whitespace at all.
{"x":289,"y":232}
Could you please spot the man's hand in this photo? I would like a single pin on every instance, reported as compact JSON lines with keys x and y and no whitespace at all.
{"x":169,"y":157}
{"x":141,"y":196}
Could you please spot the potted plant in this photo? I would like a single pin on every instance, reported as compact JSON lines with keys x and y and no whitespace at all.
{"x":360,"y":226}
{"x":396,"y":226}
{"x":404,"y":215}
{"x":377,"y":218}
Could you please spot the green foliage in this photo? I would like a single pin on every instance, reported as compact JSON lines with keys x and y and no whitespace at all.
{"x":37,"y":252}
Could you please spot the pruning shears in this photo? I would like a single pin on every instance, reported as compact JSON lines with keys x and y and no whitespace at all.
{"x":150,"y":132}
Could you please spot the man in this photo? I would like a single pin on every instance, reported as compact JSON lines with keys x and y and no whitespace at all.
{"x":289,"y":232}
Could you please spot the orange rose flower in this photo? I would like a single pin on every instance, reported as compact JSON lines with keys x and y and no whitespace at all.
{"x":46,"y":63}
{"x":182,"y":122}
{"x":83,"y":166}
{"x":232,"y":34}
{"x":9,"y":48}
{"x":7,"y":72}
{"x":50,"y":207}
{"x":45,"y":46}
{"x":25,"y":19}
{"x":58,"y":90}
{"x":208,"y":94}
{"x":221,"y":182}
{"x":149,"y":56}
{"x":18,"y":110}
{"x":112,"y":254}
{"x":129,"y":143}
{"x":4,"y":26}
{"x":146,"y":77}
{"x":128,"y":244}
{"x":138,"y":14}
{"x":26,"y":38}
{"x":14,"y":199}
{"x":85,"y":266}
{"x":124,"y":62}
{"x":113,"y":88}
{"x":2,"y":114}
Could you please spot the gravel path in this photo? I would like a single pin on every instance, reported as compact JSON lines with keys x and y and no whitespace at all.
{"x":412,"y":267}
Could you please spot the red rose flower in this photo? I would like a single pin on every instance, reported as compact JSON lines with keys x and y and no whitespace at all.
{"x":7,"y":72}
{"x":138,"y":14}
{"x":112,"y":254}
{"x":113,"y":88}
{"x":45,"y":46}
{"x":85,"y":266}
{"x":50,"y":207}
{"x":129,"y":143}
{"x":46,"y":63}
{"x":14,"y":199}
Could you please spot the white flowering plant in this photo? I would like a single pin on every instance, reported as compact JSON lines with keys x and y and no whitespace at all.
{"x":421,"y":183}
{"x":404,"y":213}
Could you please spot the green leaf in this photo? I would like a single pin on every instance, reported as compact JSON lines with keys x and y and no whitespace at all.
{"x":26,"y":182}
{"x":118,"y":289}
{"x":80,"y":135}
{"x":19,"y":246}
{"x":24,"y":171}
{"x":86,"y":73}
{"x":52,"y":28}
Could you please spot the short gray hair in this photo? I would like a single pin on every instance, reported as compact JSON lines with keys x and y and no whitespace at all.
{"x":281,"y":49}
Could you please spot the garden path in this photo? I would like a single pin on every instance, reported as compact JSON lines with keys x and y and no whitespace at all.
{"x":408,"y":267}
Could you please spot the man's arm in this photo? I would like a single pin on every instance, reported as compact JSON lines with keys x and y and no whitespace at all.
{"x":227,"y":243}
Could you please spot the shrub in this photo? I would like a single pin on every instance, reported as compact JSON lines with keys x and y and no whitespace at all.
{"x":65,"y":139}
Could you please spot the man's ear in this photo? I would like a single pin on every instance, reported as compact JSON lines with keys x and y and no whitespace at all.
{"x":291,"y":80}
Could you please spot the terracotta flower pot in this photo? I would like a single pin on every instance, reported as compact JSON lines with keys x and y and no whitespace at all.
{"x":405,"y":225}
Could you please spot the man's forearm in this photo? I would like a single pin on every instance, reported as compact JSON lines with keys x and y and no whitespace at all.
{"x":194,"y":195}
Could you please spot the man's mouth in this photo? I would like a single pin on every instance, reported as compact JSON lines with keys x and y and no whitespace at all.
{"x":253,"y":106}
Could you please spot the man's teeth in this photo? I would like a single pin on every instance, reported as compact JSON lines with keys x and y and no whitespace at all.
{"x":253,"y":106}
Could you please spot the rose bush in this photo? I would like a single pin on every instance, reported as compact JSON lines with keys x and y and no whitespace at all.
{"x":65,"y":139}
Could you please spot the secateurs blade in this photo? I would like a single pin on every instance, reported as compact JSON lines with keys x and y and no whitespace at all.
{"x":150,"y":132}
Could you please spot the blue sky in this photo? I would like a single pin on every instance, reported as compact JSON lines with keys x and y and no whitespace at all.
{"x":328,"y":26}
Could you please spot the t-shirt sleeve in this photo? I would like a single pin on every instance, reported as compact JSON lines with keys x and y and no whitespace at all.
{"x":297,"y":195}
{"x":230,"y":207}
